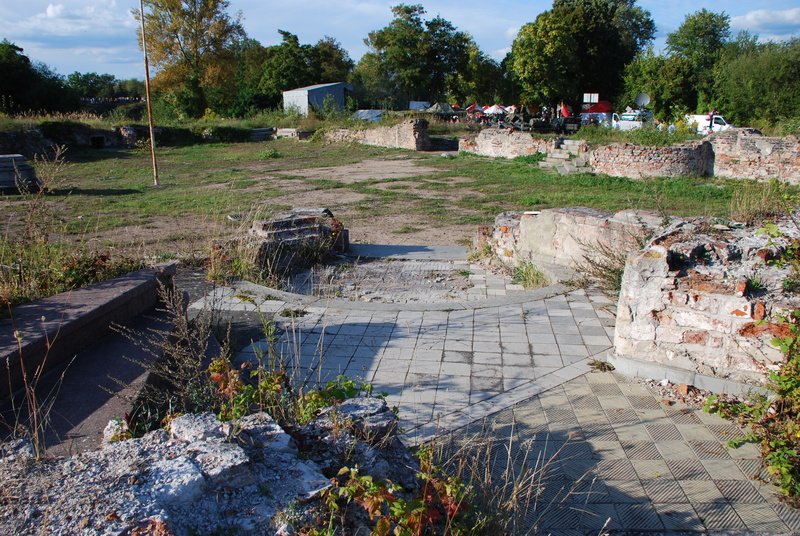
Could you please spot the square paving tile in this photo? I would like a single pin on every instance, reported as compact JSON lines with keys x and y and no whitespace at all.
{"x":621,"y":469}
{"x":702,"y":491}
{"x":718,"y":516}
{"x":740,"y":491}
{"x":664,"y":490}
{"x":641,"y":450}
{"x":651,"y":469}
{"x":709,"y":450}
{"x":723,"y":469}
{"x":678,"y":517}
{"x":626,"y":492}
{"x":641,"y":517}
{"x":760,"y":518}
{"x":683,"y":469}
{"x":663,"y":432}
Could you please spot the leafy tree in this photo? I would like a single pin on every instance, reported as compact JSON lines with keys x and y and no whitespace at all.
{"x":758,"y":86}
{"x":480,"y":80}
{"x":93,"y":85}
{"x":188,"y":42}
{"x":413,"y":59}
{"x":26,"y":85}
{"x":330,"y":60}
{"x":699,"y":42}
{"x":286,"y":66}
{"x":579,"y":46}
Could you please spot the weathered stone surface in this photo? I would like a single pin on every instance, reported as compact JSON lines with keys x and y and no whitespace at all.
{"x":410,"y":134}
{"x":734,"y":153}
{"x":196,"y":427}
{"x":504,"y":143}
{"x":685,"y":302}
{"x":556,"y":240}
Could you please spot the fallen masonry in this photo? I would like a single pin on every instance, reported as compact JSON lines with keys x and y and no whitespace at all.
{"x":200,"y":475}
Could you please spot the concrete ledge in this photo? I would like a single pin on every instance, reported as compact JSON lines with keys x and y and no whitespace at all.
{"x":51,"y":331}
{"x":658,"y":371}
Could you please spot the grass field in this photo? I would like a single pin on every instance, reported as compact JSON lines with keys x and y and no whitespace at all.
{"x":107,"y":195}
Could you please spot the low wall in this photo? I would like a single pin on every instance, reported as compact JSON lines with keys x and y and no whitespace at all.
{"x":503,"y":143}
{"x":687,"y":304}
{"x":555,"y":240}
{"x":739,"y":153}
{"x":734,"y":153}
{"x":410,"y":134}
{"x":636,"y":161}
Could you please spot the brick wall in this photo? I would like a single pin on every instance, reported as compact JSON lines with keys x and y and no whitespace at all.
{"x":503,"y":143}
{"x":411,"y":134}
{"x":740,"y":154}
{"x":635,"y":161}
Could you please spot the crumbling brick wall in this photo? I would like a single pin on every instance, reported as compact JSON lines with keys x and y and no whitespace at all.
{"x":740,"y":153}
{"x":635,"y":161}
{"x":687,"y":302}
{"x":504,"y":143}
{"x":410,"y":134}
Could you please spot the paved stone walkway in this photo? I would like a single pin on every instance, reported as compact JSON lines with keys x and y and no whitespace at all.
{"x":524,"y":357}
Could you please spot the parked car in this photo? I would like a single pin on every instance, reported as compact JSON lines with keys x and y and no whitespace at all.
{"x":706,"y":124}
{"x":632,"y":120}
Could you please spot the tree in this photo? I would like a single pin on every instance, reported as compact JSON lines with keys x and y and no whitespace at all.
{"x":27,"y":85}
{"x":579,"y":46}
{"x":759,"y":85}
{"x":699,"y":41}
{"x":286,"y":66}
{"x":413,"y":59}
{"x":93,"y":85}
{"x":188,"y":42}
{"x":330,"y":61}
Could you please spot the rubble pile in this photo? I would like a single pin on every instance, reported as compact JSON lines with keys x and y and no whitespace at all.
{"x":200,"y":475}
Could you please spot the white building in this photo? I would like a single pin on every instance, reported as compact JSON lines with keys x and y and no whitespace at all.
{"x":314,"y":96}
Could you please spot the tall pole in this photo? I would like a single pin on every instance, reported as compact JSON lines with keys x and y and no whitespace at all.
{"x":149,"y":103}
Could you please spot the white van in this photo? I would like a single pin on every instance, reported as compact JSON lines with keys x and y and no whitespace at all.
{"x":632,"y":120}
{"x":703,"y":126}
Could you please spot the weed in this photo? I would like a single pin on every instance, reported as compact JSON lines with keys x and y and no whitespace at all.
{"x":601,"y":366}
{"x":753,"y":203}
{"x":270,"y":152}
{"x":529,"y":275}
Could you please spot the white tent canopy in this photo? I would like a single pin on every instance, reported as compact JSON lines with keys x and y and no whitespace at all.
{"x":494,"y":110}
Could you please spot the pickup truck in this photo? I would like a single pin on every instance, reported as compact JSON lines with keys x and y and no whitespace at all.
{"x":704,"y":126}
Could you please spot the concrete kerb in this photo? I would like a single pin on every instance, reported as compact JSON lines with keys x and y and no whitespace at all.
{"x":51,"y":331}
{"x":251,"y":296}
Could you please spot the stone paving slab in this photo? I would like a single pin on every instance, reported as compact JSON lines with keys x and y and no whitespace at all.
{"x":613,"y":457}
{"x":648,"y":474}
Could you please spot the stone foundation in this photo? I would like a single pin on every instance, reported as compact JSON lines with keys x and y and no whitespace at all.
{"x":636,"y":161}
{"x":689,"y":302}
{"x":739,"y":153}
{"x":411,"y":134}
{"x":504,"y":143}
{"x":556,"y":240}
{"x":734,"y":153}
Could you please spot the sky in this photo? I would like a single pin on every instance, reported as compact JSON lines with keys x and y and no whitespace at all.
{"x":100,"y":35}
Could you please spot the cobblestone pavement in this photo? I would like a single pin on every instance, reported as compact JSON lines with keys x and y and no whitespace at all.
{"x":521,"y":359}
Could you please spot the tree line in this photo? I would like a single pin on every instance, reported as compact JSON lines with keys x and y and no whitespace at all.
{"x":205,"y":63}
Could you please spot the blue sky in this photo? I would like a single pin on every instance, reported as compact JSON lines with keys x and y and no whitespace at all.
{"x":100,"y":35}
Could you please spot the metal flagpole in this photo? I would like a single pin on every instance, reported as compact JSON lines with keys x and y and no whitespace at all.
{"x":149,"y":103}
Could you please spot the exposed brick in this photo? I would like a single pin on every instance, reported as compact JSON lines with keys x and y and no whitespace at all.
{"x":759,"y":311}
{"x":695,"y":337}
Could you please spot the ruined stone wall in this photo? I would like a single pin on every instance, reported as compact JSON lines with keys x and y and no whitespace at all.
{"x":504,"y":143}
{"x":740,"y":153}
{"x":636,"y":161}
{"x":555,"y":240}
{"x":411,"y":134}
{"x":687,"y":302}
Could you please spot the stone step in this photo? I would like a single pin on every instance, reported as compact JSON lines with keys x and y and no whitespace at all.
{"x":261,"y":134}
{"x":559,"y":153}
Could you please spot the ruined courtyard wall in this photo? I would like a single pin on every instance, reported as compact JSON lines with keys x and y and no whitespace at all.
{"x":740,"y":154}
{"x":636,"y":161}
{"x":411,"y":134}
{"x":556,"y":240}
{"x":504,"y":144}
{"x":735,"y":153}
{"x":686,"y":304}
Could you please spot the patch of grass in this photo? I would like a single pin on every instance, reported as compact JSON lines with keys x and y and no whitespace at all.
{"x":405,"y":229}
{"x":529,"y":276}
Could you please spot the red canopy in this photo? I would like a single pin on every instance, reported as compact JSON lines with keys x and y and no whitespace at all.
{"x":602,"y":106}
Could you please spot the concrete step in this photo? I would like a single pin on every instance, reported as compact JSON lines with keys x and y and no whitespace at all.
{"x":559,"y":153}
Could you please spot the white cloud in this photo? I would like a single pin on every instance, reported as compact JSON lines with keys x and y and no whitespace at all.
{"x":102,"y":17}
{"x":511,"y":32}
{"x":769,"y":24}
{"x":500,"y":53}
